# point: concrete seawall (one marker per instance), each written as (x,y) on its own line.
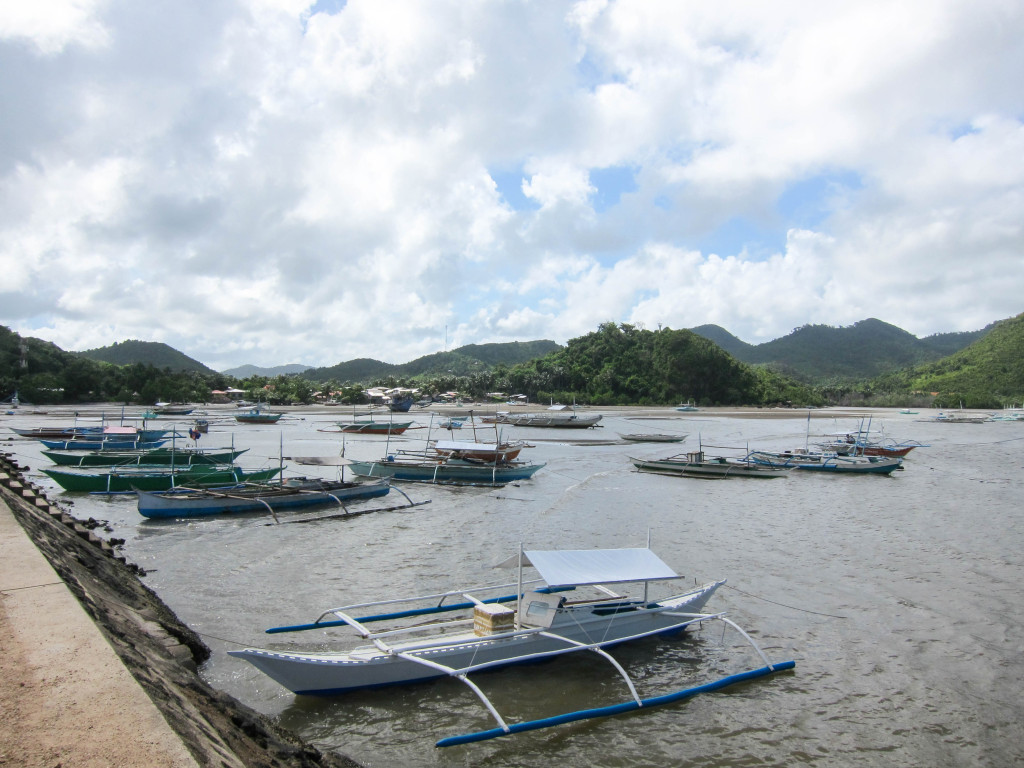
(96,671)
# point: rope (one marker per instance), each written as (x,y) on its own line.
(31,586)
(791,607)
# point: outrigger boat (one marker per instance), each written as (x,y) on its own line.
(697,464)
(179,457)
(829,463)
(542,624)
(256,497)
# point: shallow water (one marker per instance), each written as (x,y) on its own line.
(897,596)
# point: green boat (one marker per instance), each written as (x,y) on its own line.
(131,479)
(178,457)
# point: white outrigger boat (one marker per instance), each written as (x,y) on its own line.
(542,624)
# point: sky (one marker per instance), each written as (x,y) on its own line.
(280,181)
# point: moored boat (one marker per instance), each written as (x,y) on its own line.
(258,415)
(697,464)
(655,437)
(128,479)
(445,470)
(489,628)
(262,497)
(85,443)
(371,427)
(552,419)
(181,457)
(830,463)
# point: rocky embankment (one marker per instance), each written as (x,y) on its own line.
(160,652)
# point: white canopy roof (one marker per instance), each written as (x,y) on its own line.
(568,567)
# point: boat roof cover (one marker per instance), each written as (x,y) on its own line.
(568,567)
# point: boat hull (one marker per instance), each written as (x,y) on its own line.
(839,465)
(101,445)
(542,420)
(180,504)
(156,456)
(328,674)
(118,482)
(711,468)
(376,427)
(453,472)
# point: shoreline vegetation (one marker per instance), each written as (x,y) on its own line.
(868,365)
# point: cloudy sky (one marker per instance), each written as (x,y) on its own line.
(275,181)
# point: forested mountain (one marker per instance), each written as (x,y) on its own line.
(624,365)
(153,353)
(738,348)
(245,371)
(990,371)
(464,361)
(824,353)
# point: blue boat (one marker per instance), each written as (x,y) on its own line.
(252,497)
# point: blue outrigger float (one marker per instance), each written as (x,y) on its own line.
(493,628)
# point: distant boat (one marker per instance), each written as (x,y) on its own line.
(696,464)
(401,403)
(653,438)
(687,407)
(267,497)
(258,415)
(448,471)
(372,427)
(558,416)
(828,463)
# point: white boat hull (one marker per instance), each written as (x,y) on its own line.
(325,674)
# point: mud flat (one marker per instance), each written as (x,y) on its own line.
(67,700)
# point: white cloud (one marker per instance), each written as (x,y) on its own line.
(275,185)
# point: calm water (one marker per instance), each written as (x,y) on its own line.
(898,597)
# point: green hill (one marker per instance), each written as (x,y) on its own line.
(153,353)
(738,348)
(463,361)
(625,365)
(245,371)
(822,353)
(988,373)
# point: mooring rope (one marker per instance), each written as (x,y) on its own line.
(792,607)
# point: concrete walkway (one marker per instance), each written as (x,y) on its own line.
(65,697)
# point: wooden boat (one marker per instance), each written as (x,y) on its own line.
(653,438)
(444,470)
(130,479)
(257,415)
(696,464)
(181,457)
(96,433)
(487,628)
(372,427)
(85,443)
(489,452)
(553,419)
(401,403)
(828,462)
(861,448)
(272,497)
